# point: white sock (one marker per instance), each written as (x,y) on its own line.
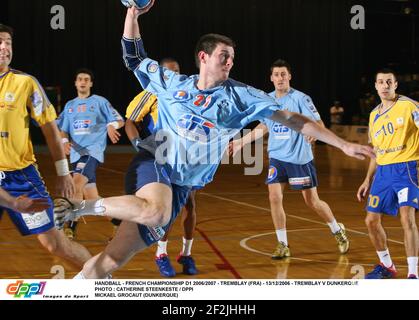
(334,227)
(79,275)
(161,248)
(187,247)
(412,262)
(385,258)
(281,234)
(91,208)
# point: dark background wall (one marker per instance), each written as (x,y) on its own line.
(315,36)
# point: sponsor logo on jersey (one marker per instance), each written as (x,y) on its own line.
(194,128)
(9,97)
(81,126)
(4,134)
(281,132)
(181,95)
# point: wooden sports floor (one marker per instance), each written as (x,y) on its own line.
(234,236)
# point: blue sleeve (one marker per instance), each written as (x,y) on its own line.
(258,105)
(133,52)
(155,78)
(308,108)
(63,121)
(110,112)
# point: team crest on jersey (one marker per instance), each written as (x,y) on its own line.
(194,128)
(70,110)
(272,173)
(9,97)
(153,67)
(181,95)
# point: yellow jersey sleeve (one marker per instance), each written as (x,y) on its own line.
(143,104)
(41,109)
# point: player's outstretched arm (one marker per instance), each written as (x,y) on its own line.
(308,127)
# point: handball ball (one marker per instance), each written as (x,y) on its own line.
(140,4)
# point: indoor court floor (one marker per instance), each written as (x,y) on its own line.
(234,236)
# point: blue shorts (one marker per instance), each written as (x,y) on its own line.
(144,170)
(86,166)
(299,176)
(28,182)
(394,186)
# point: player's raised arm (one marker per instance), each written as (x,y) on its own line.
(132,45)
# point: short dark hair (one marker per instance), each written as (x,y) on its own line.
(386,71)
(209,42)
(86,71)
(279,64)
(168,60)
(4,28)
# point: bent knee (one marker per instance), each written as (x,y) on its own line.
(158,215)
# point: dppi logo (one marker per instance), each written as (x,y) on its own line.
(81,124)
(181,95)
(194,128)
(27,290)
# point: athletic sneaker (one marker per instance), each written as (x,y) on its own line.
(342,239)
(382,272)
(281,251)
(188,264)
(412,276)
(165,267)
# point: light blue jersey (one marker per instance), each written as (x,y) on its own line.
(194,125)
(85,121)
(285,144)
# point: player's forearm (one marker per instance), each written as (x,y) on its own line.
(55,146)
(371,170)
(52,136)
(6,200)
(255,134)
(131,130)
(131,26)
(300,123)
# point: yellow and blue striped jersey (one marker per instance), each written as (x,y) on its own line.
(21,99)
(143,111)
(395,133)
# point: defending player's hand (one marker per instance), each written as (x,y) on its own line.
(65,186)
(363,191)
(358,151)
(25,204)
(113,134)
(234,147)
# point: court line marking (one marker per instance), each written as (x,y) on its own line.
(288,215)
